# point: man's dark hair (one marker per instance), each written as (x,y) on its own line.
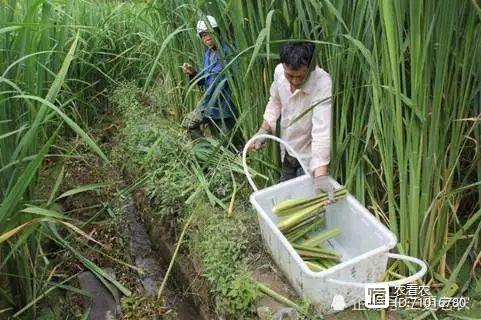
(297,54)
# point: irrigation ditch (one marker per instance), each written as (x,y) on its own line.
(154,261)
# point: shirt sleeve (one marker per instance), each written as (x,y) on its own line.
(273,108)
(321,124)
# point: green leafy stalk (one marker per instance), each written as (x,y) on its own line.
(320,238)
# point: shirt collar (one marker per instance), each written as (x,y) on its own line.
(309,85)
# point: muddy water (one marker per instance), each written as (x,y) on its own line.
(155,264)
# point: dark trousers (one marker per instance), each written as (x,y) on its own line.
(291,168)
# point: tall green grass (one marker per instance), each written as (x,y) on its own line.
(55,60)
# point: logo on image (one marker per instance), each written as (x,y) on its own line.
(376,297)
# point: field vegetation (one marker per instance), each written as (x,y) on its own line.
(406,139)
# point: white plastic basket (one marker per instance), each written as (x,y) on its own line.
(364,243)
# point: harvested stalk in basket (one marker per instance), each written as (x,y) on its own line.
(328,263)
(319,252)
(295,219)
(291,206)
(302,224)
(313,254)
(302,231)
(320,238)
(299,218)
(314,266)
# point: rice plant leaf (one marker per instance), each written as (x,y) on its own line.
(79,231)
(10,29)
(14,195)
(407,101)
(477,7)
(13,163)
(86,314)
(268,33)
(19,61)
(437,257)
(159,55)
(463,188)
(44,212)
(50,98)
(56,186)
(60,78)
(260,39)
(44,294)
(10,233)
(6,297)
(84,188)
(11,133)
(75,127)
(101,274)
(15,245)
(305,112)
(362,48)
(337,14)
(48,217)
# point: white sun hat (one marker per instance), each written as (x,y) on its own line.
(202,26)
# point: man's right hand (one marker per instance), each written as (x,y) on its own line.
(188,69)
(259,142)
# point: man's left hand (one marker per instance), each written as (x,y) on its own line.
(322,184)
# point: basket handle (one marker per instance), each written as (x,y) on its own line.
(267,136)
(418,275)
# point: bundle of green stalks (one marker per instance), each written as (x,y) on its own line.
(300,219)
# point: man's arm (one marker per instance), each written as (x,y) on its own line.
(271,114)
(265,125)
(322,170)
(321,129)
(273,109)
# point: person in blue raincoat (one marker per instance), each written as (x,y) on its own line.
(216,110)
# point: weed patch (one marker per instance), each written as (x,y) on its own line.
(182,178)
(222,245)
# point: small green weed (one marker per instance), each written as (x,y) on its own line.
(222,245)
